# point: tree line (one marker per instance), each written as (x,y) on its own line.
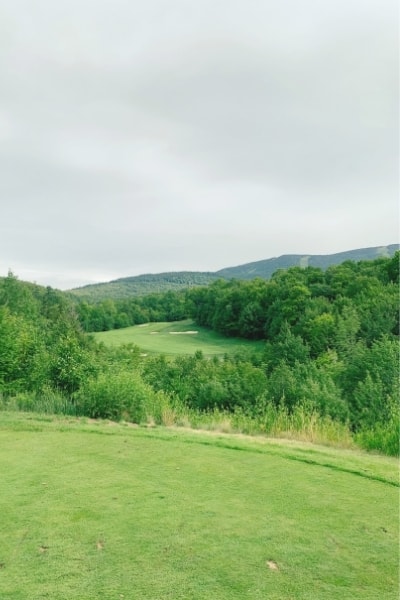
(360,297)
(115,314)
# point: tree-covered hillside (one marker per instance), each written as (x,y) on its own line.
(266,268)
(141,285)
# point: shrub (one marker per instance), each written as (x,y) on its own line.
(71,364)
(120,395)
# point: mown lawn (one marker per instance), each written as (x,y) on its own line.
(95,510)
(179,337)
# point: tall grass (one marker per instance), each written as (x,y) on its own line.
(48,401)
(383,436)
(278,422)
(125,397)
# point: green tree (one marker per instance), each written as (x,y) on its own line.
(70,365)
(286,348)
(393,267)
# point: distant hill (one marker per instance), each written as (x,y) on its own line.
(141,285)
(265,268)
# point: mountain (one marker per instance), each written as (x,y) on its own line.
(141,285)
(265,268)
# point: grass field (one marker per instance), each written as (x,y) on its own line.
(180,337)
(94,510)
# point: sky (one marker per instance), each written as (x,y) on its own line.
(144,137)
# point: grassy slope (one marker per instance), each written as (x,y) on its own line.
(157,338)
(98,511)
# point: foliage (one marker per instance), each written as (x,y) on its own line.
(70,365)
(115,395)
(203,384)
(352,299)
(116,314)
(41,342)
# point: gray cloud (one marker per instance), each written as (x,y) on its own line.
(173,135)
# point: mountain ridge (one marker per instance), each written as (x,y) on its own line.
(322,261)
(148,283)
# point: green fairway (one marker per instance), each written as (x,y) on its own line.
(180,337)
(103,511)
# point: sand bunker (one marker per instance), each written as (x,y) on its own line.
(183,332)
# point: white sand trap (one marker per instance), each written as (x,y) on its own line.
(153,332)
(183,332)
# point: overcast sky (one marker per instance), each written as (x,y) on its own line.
(167,135)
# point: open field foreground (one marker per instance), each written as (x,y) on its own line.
(107,511)
(179,337)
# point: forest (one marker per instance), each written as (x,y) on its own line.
(330,355)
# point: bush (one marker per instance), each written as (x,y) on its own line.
(70,365)
(120,395)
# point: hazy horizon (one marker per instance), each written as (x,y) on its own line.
(127,275)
